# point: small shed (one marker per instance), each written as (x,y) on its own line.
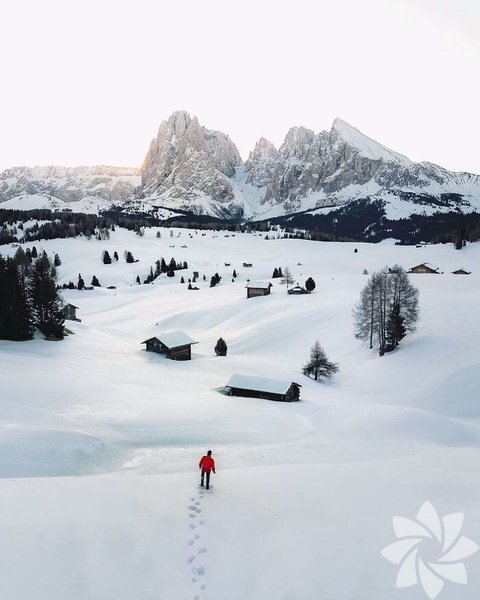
(263,387)
(70,312)
(248,264)
(176,345)
(461,272)
(258,288)
(425,268)
(297,289)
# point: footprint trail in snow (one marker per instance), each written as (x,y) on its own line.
(197,548)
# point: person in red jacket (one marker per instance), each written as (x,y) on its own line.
(207,465)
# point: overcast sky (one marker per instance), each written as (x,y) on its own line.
(89,82)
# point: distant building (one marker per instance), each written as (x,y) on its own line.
(248,264)
(461,272)
(263,387)
(297,289)
(70,312)
(258,288)
(176,345)
(425,268)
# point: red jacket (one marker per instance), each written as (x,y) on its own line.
(207,464)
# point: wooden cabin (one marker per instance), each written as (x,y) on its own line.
(461,272)
(425,268)
(258,288)
(263,387)
(176,345)
(248,264)
(297,289)
(70,312)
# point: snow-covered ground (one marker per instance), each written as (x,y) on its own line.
(100,440)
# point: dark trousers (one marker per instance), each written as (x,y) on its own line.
(205,473)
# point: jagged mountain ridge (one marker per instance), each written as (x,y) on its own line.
(192,168)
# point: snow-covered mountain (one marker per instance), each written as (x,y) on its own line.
(78,188)
(190,167)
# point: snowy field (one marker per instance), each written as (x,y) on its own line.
(100,440)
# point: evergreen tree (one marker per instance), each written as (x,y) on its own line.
(46,302)
(310,285)
(106,258)
(234,274)
(22,261)
(213,281)
(163,266)
(182,280)
(56,261)
(280,274)
(170,273)
(172,265)
(204,278)
(34,252)
(318,364)
(189,286)
(15,309)
(275,273)
(138,279)
(95,282)
(80,283)
(185,264)
(221,347)
(159,235)
(115,254)
(129,257)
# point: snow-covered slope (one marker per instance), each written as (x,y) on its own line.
(100,440)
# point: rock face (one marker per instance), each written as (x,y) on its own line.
(261,163)
(110,185)
(189,167)
(189,163)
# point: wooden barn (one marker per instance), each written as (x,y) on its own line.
(70,312)
(461,272)
(248,264)
(297,289)
(258,288)
(263,387)
(176,345)
(425,268)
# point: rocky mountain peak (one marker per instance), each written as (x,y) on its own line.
(261,162)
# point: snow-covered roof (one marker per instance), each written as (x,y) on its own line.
(258,284)
(72,305)
(427,265)
(174,339)
(260,384)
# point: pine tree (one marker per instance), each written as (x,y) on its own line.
(106,258)
(221,347)
(56,261)
(213,281)
(34,252)
(115,254)
(163,266)
(129,257)
(234,274)
(80,283)
(170,273)
(182,280)
(159,235)
(189,286)
(138,279)
(275,273)
(95,282)
(172,265)
(318,364)
(46,302)
(15,310)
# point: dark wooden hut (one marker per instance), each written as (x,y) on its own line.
(297,289)
(263,387)
(176,345)
(258,288)
(70,312)
(461,272)
(425,268)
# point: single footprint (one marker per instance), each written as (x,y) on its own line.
(197,537)
(196,598)
(202,522)
(192,507)
(192,516)
(194,579)
(192,499)
(203,586)
(199,510)
(202,550)
(191,542)
(191,559)
(197,503)
(200,570)
(192,526)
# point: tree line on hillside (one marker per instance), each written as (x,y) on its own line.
(29,298)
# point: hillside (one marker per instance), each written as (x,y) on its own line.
(100,440)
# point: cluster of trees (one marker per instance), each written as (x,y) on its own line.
(161,266)
(215,279)
(387,309)
(29,298)
(277,272)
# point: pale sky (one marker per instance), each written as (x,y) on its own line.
(89,82)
